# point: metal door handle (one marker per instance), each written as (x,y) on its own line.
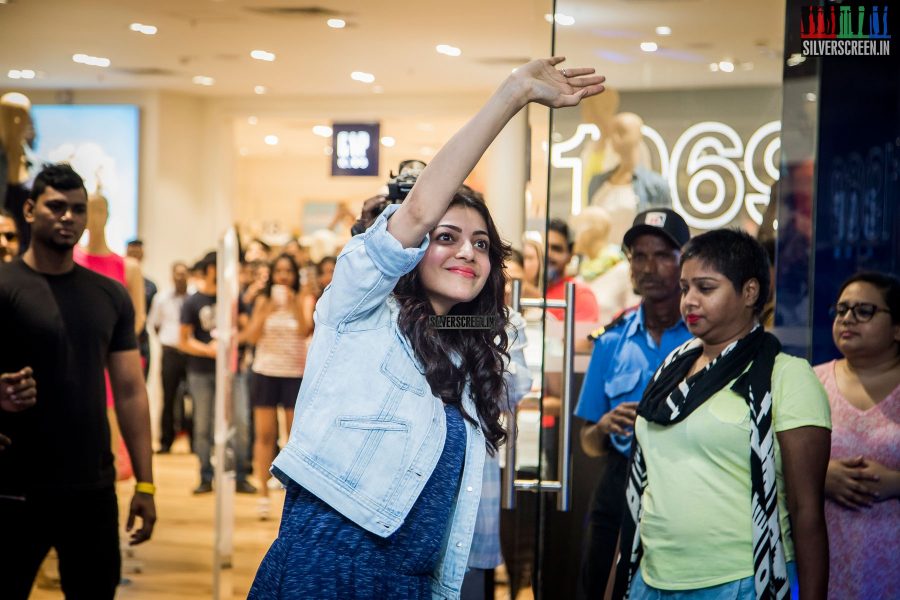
(563,486)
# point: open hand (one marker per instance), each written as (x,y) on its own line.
(18,390)
(848,484)
(545,84)
(142,506)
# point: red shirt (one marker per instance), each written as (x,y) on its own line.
(586,308)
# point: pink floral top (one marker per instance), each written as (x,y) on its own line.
(864,544)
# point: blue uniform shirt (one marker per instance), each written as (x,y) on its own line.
(624,359)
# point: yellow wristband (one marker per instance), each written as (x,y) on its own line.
(143,487)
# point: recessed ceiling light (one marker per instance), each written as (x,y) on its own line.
(388,141)
(560,18)
(271,140)
(259,89)
(336,23)
(448,50)
(93,61)
(663,30)
(362,76)
(726,66)
(20,74)
(262,55)
(252,120)
(322,130)
(810,97)
(649,46)
(203,80)
(141,28)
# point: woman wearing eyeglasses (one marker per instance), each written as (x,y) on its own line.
(863,480)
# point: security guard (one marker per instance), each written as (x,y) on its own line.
(626,353)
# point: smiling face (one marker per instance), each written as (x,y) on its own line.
(876,337)
(712,309)
(57,218)
(456,264)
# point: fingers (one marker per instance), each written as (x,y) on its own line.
(555,60)
(144,508)
(852,462)
(131,515)
(580,82)
(24,373)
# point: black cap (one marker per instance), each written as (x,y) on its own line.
(663,222)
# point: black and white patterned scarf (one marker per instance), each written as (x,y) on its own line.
(670,398)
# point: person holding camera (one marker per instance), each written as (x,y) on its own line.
(384,466)
(278,328)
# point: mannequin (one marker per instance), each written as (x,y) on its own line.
(98,257)
(628,188)
(16,130)
(603,265)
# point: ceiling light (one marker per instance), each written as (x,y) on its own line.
(271,140)
(795,59)
(713,67)
(663,30)
(362,76)
(726,66)
(649,46)
(560,19)
(336,23)
(322,130)
(93,61)
(141,28)
(388,141)
(203,80)
(252,120)
(262,55)
(810,97)
(448,50)
(259,89)
(20,74)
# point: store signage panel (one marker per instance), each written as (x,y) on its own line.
(355,149)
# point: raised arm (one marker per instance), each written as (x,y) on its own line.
(538,81)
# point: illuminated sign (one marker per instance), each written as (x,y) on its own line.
(710,151)
(355,149)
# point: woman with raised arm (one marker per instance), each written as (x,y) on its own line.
(724,497)
(384,465)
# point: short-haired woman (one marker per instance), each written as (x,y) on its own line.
(724,493)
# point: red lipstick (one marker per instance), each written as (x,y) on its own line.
(692,319)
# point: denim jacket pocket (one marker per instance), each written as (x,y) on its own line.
(400,369)
(372,424)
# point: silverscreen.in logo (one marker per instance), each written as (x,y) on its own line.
(461,321)
(845,30)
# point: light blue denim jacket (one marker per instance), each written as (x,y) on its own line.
(367,430)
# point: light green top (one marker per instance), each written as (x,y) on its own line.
(696,528)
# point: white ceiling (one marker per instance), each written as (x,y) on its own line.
(393,39)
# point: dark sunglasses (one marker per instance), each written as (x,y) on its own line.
(862,312)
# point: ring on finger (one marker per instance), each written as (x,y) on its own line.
(564,73)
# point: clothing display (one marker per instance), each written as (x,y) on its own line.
(863,544)
(707,426)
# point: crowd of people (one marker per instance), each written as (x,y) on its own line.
(730,469)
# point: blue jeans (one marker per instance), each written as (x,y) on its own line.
(203,393)
(742,589)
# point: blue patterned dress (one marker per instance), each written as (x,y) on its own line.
(320,554)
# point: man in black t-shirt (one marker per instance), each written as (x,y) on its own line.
(57,476)
(198,341)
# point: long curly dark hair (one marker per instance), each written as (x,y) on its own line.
(483,351)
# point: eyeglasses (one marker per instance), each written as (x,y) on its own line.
(862,311)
